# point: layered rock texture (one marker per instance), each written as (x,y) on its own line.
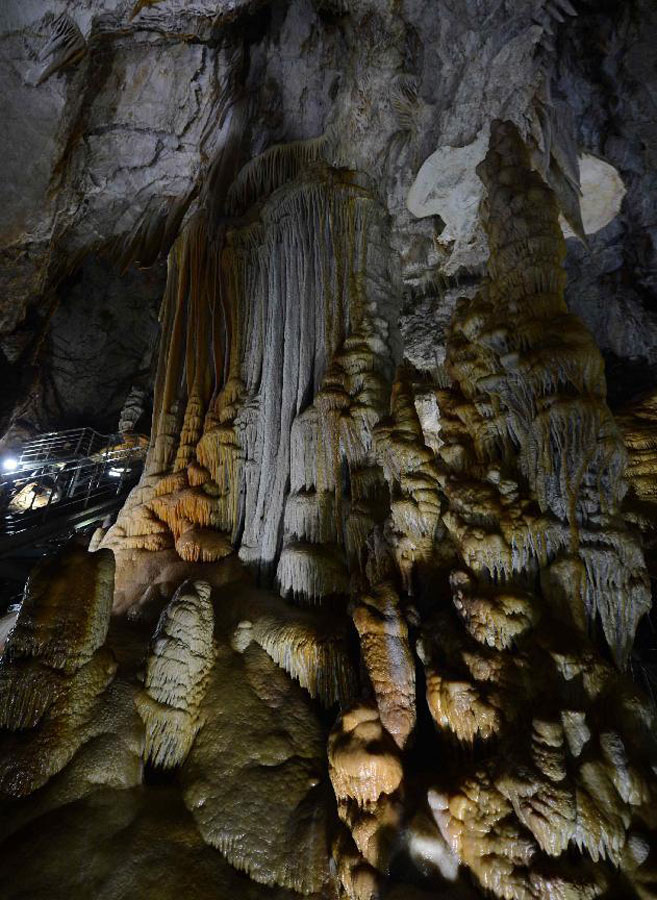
(376,621)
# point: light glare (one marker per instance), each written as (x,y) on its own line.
(9,464)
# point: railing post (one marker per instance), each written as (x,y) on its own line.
(73,483)
(52,494)
(29,509)
(89,483)
(124,470)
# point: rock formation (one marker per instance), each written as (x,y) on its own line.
(177,673)
(375,622)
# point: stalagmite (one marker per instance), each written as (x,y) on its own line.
(546,379)
(253,778)
(366,626)
(366,775)
(62,623)
(73,717)
(177,673)
(534,466)
(54,668)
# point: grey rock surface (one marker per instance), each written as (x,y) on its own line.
(608,78)
(103,339)
(109,151)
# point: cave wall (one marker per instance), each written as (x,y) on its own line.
(608,82)
(123,143)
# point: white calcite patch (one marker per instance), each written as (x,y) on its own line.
(447,185)
(602,194)
(426,406)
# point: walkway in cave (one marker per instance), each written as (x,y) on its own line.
(62,483)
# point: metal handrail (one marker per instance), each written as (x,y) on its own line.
(78,467)
(71,444)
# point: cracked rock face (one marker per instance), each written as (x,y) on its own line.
(375,622)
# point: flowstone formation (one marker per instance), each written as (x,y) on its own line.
(57,695)
(534,461)
(375,622)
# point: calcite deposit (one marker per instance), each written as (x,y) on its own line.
(376,620)
(177,673)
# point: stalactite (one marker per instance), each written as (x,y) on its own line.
(350,402)
(313,650)
(310,572)
(203,545)
(366,775)
(414,478)
(231,300)
(388,659)
(191,367)
(364,762)
(64,47)
(546,381)
(336,431)
(637,424)
(277,166)
(285,375)
(310,514)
